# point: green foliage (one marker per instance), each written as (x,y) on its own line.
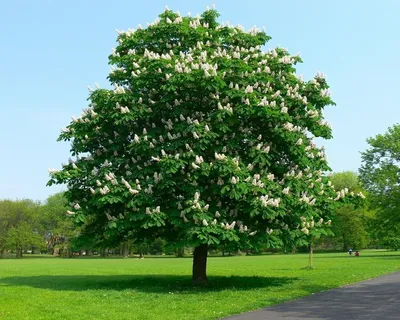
(346,179)
(350,223)
(350,226)
(206,139)
(15,217)
(159,288)
(54,224)
(391,242)
(379,173)
(23,237)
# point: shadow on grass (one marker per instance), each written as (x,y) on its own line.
(163,284)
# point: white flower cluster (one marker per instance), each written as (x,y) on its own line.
(257,181)
(119,89)
(266,201)
(53,171)
(235,180)
(306,226)
(228,226)
(152,211)
(111,177)
(123,109)
(104,190)
(306,199)
(220,157)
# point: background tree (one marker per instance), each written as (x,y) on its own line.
(55,226)
(380,175)
(391,242)
(205,139)
(350,223)
(22,237)
(13,214)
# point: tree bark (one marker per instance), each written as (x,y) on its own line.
(310,258)
(126,250)
(199,271)
(19,253)
(180,252)
(2,253)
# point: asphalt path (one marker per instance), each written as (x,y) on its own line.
(378,298)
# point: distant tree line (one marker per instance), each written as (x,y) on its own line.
(28,226)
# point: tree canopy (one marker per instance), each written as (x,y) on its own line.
(380,175)
(350,223)
(18,225)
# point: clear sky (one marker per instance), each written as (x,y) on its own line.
(52,49)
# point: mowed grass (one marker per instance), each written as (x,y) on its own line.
(160,288)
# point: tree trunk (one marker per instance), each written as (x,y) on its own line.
(180,252)
(345,245)
(103,252)
(126,250)
(310,258)
(1,253)
(199,271)
(19,253)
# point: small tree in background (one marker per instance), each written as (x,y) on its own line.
(206,139)
(19,225)
(379,174)
(23,237)
(54,225)
(350,222)
(310,232)
(391,242)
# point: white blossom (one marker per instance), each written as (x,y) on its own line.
(195,166)
(360,194)
(305,230)
(220,157)
(325,93)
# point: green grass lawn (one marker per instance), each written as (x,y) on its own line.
(160,288)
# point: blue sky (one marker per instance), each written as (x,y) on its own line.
(51,50)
